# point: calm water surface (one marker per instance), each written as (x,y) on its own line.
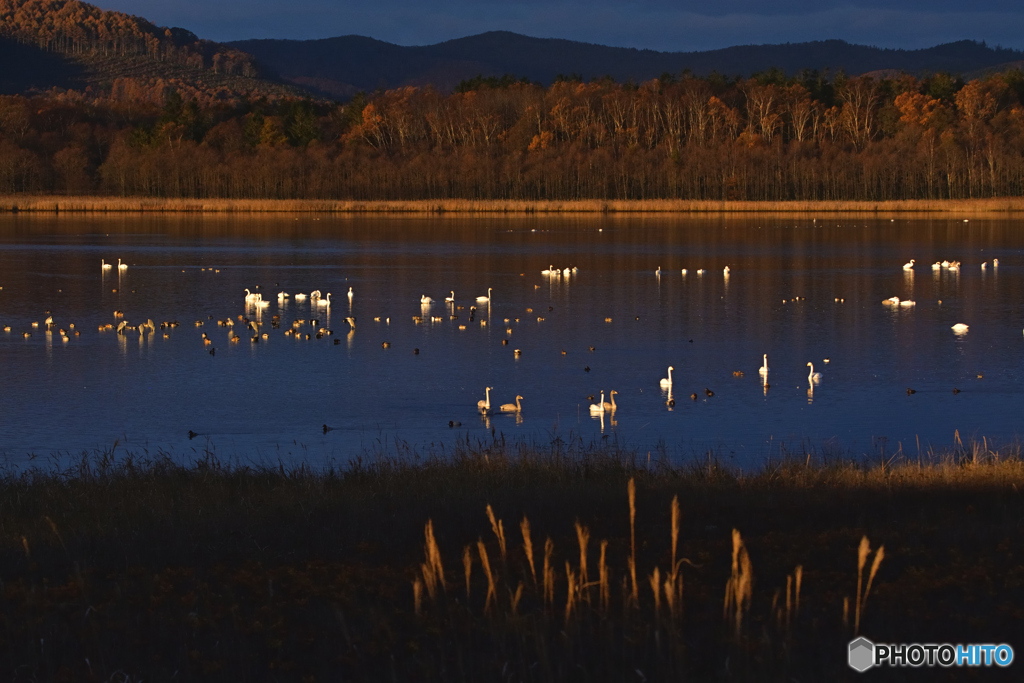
(268,401)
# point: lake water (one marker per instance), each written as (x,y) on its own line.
(800,289)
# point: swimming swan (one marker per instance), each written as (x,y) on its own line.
(104,265)
(610,407)
(959,328)
(485,405)
(513,407)
(764,368)
(667,381)
(485,298)
(121,266)
(350,295)
(450,299)
(909,265)
(325,302)
(597,408)
(812,376)
(300,297)
(426,299)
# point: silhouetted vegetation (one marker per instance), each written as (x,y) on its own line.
(502,561)
(479,82)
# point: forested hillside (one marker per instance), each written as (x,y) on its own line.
(764,138)
(72,44)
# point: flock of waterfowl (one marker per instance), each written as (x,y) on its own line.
(937,267)
(255,303)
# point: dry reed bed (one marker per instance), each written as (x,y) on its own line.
(502,561)
(58,204)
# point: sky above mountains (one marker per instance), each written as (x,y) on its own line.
(669,25)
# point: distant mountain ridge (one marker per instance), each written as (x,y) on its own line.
(73,45)
(344,65)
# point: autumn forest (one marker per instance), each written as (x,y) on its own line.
(770,137)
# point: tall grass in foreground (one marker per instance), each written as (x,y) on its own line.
(84,204)
(497,560)
(569,603)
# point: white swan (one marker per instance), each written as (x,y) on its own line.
(485,298)
(121,266)
(610,407)
(995,263)
(315,294)
(104,265)
(657,271)
(700,271)
(426,299)
(300,297)
(764,368)
(725,271)
(597,408)
(944,264)
(513,407)
(565,273)
(812,376)
(684,272)
(959,328)
(550,271)
(350,295)
(281,296)
(666,382)
(936,266)
(450,299)
(251,297)
(909,265)
(326,303)
(485,405)
(984,265)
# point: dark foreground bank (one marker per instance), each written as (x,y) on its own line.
(129,569)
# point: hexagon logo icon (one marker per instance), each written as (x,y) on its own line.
(861,654)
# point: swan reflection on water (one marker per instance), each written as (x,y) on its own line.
(599,418)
